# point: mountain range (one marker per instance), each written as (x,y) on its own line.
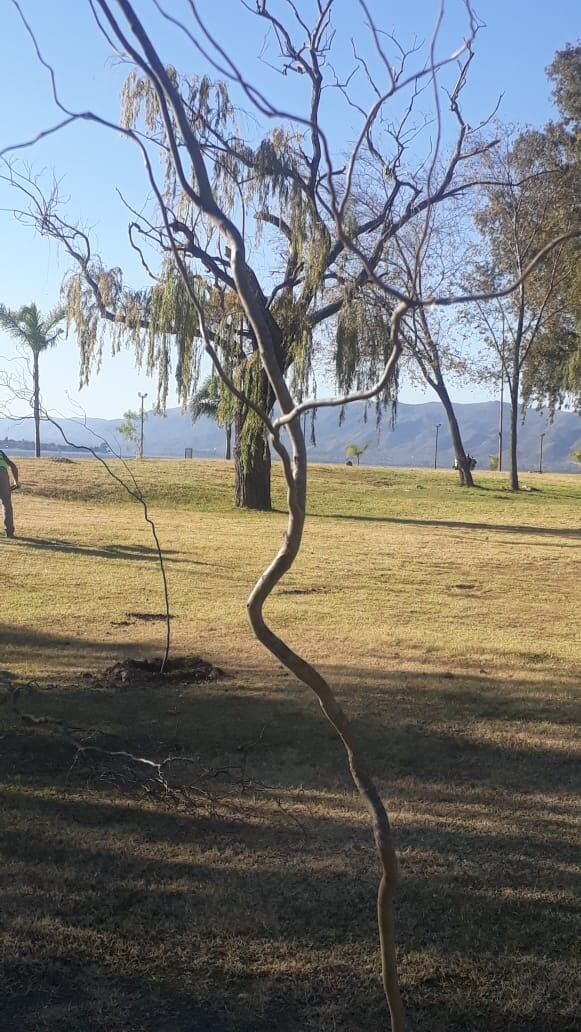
(411,442)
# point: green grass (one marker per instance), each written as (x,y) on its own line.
(448,622)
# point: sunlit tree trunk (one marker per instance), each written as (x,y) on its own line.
(464,471)
(36,403)
(514,386)
(514,483)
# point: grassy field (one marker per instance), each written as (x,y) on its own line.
(449,623)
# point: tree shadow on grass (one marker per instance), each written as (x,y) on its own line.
(267,931)
(43,649)
(141,553)
(508,528)
(471,730)
(126,914)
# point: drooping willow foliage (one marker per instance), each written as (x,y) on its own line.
(362,347)
(263,186)
(96,301)
(173,319)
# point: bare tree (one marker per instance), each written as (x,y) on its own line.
(432,339)
(330,256)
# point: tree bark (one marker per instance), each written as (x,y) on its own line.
(464,471)
(514,484)
(514,387)
(36,403)
(295,471)
(252,473)
(228,433)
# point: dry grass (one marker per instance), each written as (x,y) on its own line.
(449,623)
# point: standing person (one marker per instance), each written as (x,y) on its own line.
(6,491)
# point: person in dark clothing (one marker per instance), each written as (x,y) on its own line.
(7,467)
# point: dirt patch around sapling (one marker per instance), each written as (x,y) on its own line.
(147,673)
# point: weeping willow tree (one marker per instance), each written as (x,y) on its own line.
(323,263)
(316,296)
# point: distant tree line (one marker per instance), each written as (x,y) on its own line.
(11,444)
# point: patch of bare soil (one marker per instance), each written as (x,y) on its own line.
(149,617)
(147,673)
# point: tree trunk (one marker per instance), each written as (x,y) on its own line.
(462,461)
(294,465)
(36,402)
(514,385)
(514,484)
(252,470)
(228,432)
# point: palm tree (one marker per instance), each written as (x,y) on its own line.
(206,402)
(28,327)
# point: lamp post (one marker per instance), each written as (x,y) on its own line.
(143,397)
(541,455)
(437,428)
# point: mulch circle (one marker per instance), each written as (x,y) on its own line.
(146,673)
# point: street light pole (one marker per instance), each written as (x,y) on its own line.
(438,425)
(541,455)
(143,397)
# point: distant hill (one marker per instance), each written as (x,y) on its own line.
(20,445)
(410,443)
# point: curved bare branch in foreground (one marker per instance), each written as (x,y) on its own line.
(294,464)
(296,479)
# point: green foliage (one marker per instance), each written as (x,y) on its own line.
(208,106)
(252,440)
(362,348)
(267,177)
(211,400)
(552,376)
(536,197)
(355,451)
(206,400)
(129,428)
(173,318)
(576,455)
(96,299)
(565,75)
(493,462)
(27,326)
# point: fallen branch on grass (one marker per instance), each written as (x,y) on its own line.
(126,769)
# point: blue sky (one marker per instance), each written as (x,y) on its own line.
(512,53)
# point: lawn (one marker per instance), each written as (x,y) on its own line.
(449,623)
